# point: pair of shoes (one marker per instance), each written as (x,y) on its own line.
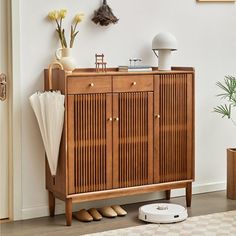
(87,216)
(93,214)
(112,211)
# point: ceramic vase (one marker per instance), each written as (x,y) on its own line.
(64,56)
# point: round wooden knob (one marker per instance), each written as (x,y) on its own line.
(92,84)
(110,119)
(117,119)
(134,83)
(157,116)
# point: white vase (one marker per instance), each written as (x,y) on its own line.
(63,55)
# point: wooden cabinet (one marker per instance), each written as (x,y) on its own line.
(90,146)
(132,139)
(124,134)
(173,127)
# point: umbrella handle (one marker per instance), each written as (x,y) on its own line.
(52,66)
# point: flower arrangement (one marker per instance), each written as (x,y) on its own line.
(58,16)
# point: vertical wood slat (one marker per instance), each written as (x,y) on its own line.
(133,149)
(174,143)
(157,133)
(190,125)
(149,105)
(71,149)
(108,138)
(115,142)
(90,151)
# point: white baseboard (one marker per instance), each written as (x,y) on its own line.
(41,211)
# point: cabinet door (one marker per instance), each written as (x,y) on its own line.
(132,139)
(173,127)
(89,142)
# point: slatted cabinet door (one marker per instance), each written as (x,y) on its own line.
(132,139)
(173,127)
(90,142)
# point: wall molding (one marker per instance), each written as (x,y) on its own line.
(15,161)
(41,211)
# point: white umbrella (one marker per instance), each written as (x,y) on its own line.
(49,110)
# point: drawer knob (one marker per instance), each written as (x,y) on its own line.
(110,119)
(157,116)
(116,119)
(91,85)
(134,83)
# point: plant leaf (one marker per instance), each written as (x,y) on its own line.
(223,110)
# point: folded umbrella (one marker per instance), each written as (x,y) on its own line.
(49,110)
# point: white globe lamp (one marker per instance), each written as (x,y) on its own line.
(162,45)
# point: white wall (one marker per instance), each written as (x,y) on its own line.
(207,40)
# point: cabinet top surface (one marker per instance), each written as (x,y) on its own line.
(114,71)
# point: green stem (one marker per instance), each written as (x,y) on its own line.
(233,121)
(60,33)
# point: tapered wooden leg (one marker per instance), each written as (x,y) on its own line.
(51,201)
(168,194)
(189,194)
(68,211)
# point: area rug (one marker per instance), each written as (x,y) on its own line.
(220,224)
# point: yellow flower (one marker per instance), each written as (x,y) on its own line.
(78,18)
(53,15)
(62,13)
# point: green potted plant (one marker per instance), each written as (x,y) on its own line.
(228,88)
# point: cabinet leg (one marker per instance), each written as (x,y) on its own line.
(168,194)
(189,194)
(68,211)
(51,201)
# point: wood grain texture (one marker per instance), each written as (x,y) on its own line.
(231,173)
(68,211)
(91,84)
(189,194)
(89,146)
(51,201)
(132,83)
(174,133)
(123,192)
(124,134)
(133,139)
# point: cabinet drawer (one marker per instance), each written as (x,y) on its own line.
(133,83)
(96,84)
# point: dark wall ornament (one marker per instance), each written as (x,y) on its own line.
(104,15)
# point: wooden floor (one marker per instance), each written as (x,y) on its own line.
(202,204)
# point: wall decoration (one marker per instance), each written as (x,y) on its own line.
(104,15)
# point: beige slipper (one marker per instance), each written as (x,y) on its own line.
(83,215)
(107,212)
(95,214)
(119,210)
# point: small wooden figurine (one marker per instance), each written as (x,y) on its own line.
(100,62)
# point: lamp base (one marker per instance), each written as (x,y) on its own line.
(164,59)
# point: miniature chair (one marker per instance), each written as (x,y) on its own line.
(100,61)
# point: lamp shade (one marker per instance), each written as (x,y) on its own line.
(164,40)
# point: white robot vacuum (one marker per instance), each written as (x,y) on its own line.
(162,213)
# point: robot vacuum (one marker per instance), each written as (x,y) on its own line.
(162,213)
